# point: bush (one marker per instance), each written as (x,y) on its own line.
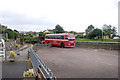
(8,40)
(12,54)
(30,39)
(17,45)
(28,73)
(27,41)
(5,39)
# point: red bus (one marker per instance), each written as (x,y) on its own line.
(63,40)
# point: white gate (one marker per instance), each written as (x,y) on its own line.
(2,49)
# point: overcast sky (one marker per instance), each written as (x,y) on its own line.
(76,15)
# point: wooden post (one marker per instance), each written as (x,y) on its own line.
(41,74)
(23,38)
(28,55)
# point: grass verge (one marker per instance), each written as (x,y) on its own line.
(99,40)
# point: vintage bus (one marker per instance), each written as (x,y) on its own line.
(62,40)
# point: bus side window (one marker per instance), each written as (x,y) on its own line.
(51,37)
(62,37)
(58,37)
(48,37)
(66,37)
(55,37)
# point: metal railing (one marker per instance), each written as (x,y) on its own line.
(2,49)
(37,62)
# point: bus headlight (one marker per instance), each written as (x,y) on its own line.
(68,44)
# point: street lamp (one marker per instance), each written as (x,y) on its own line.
(102,34)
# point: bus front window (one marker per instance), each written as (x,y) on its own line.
(71,38)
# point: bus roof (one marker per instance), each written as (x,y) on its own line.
(63,34)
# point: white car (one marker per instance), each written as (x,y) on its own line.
(116,38)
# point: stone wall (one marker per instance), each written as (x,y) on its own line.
(99,45)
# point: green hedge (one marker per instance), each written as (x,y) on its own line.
(29,39)
(99,40)
(15,44)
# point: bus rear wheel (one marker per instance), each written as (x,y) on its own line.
(49,44)
(62,45)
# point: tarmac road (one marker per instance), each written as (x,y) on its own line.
(14,70)
(80,62)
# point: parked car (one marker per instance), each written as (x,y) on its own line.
(116,38)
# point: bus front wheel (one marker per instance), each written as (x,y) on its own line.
(62,45)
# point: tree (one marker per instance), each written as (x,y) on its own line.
(2,28)
(16,31)
(16,35)
(74,32)
(95,34)
(41,35)
(89,29)
(79,35)
(11,34)
(48,32)
(114,32)
(90,35)
(109,30)
(58,29)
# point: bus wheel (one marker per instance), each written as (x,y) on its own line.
(62,45)
(50,44)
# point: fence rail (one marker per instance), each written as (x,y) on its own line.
(2,49)
(39,65)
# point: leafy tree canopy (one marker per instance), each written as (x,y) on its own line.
(41,34)
(11,34)
(109,30)
(95,34)
(58,29)
(89,29)
(2,28)
(73,32)
(16,31)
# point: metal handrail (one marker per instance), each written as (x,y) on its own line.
(36,61)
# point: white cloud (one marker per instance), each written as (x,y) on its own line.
(70,14)
(23,22)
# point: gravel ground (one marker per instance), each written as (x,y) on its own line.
(23,53)
(80,62)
